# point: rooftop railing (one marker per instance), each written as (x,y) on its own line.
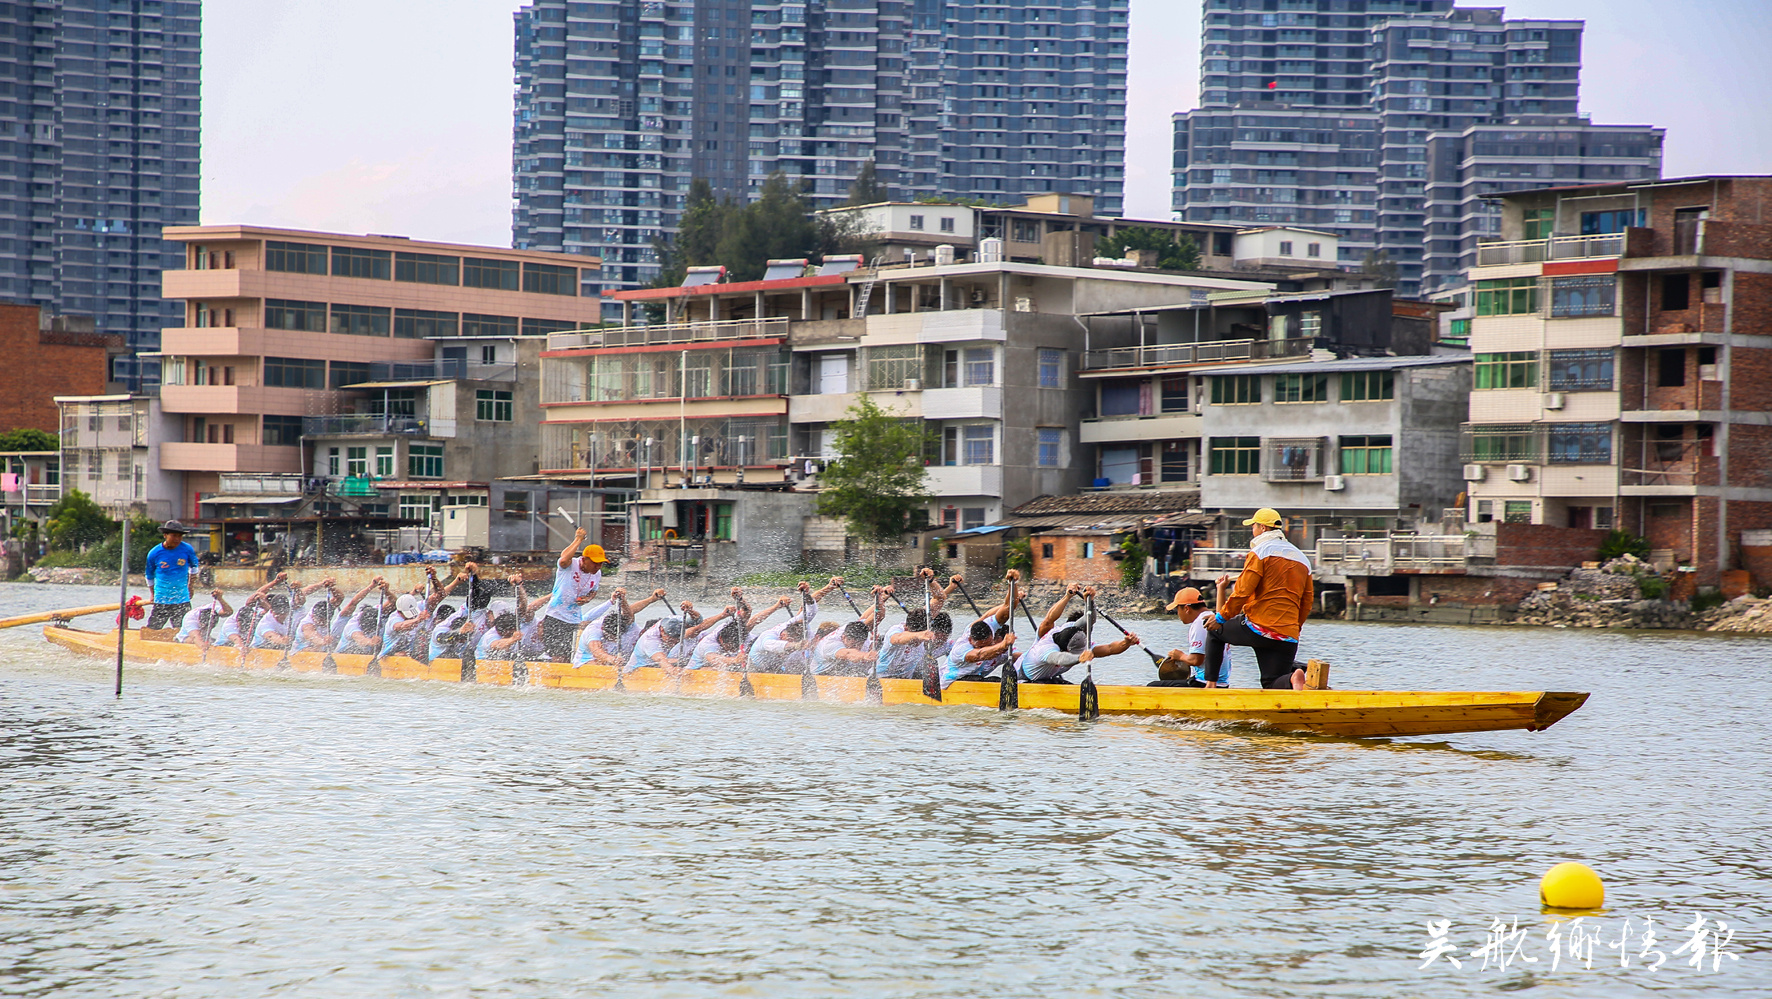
(670,333)
(1206,352)
(354,423)
(1531,251)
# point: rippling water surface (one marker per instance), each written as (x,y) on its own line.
(214,834)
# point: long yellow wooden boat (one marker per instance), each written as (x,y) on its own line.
(1351,713)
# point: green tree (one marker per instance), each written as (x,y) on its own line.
(75,521)
(1378,264)
(877,478)
(29,439)
(1019,554)
(867,189)
(1620,543)
(1175,251)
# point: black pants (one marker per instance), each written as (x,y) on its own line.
(556,637)
(1276,658)
(168,615)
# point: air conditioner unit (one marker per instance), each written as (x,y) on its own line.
(1475,473)
(913,384)
(1519,473)
(1334,483)
(1554,400)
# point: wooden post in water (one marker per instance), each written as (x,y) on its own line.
(122,603)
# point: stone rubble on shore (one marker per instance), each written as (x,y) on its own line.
(1746,613)
(1615,595)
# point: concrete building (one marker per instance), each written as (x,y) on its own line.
(30,483)
(112,448)
(277,322)
(1318,115)
(99,149)
(1622,375)
(51,356)
(617,110)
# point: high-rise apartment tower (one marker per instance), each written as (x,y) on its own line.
(620,106)
(99,149)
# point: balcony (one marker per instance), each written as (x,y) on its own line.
(977,402)
(669,334)
(33,494)
(1178,355)
(1532,251)
(1292,459)
(1115,429)
(1384,556)
(965,480)
(187,456)
(360,425)
(827,408)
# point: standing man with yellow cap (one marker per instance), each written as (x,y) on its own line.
(576,579)
(1266,609)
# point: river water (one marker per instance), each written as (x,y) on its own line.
(217,834)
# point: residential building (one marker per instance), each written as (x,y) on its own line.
(1150,372)
(1321,116)
(111,450)
(618,109)
(737,391)
(99,149)
(51,355)
(1622,368)
(277,323)
(30,483)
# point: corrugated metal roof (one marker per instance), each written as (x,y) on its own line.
(1146,501)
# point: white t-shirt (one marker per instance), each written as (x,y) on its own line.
(571,584)
(1196,646)
(651,643)
(267,626)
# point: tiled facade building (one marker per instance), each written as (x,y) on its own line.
(620,106)
(99,148)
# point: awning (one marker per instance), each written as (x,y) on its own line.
(426,383)
(986,529)
(273,500)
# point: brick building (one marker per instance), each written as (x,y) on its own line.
(1623,346)
(51,355)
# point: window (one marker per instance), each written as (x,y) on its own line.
(1045,551)
(1512,370)
(394,402)
(492,405)
(1369,455)
(1502,443)
(295,258)
(360,320)
(1507,297)
(542,327)
(1537,223)
(1174,461)
(499,275)
(353,262)
(1236,456)
(424,461)
(891,367)
(1676,292)
(417,507)
(488,353)
(1285,248)
(972,516)
(1460,330)
(473,324)
(294,372)
(977,445)
(981,366)
(357,462)
(550,279)
(1236,390)
(1051,368)
(1301,388)
(1585,295)
(282,431)
(413,324)
(1670,365)
(348,373)
(947,223)
(1603,223)
(332,462)
(1173,394)
(1024,231)
(286,315)
(427,268)
(1367,386)
(1048,446)
(1313,249)
(917,223)
(1580,371)
(1517,511)
(384,461)
(1086,550)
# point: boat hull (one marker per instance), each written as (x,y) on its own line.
(1348,713)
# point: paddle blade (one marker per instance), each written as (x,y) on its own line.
(874,694)
(327,665)
(1009,697)
(470,670)
(1088,701)
(932,682)
(808,687)
(519,674)
(744,686)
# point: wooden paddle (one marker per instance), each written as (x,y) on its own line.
(931,669)
(1156,659)
(1009,694)
(291,628)
(57,615)
(1088,698)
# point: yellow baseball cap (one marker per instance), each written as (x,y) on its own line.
(595,553)
(1265,517)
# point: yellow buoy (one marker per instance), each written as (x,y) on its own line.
(1572,886)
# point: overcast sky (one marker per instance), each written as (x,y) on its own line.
(394,116)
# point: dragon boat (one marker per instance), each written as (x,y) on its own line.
(1345,713)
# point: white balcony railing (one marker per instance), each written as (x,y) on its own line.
(1531,251)
(669,333)
(1209,352)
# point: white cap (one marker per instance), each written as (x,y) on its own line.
(408,605)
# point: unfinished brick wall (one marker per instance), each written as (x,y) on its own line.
(39,368)
(1543,545)
(1067,564)
(1469,591)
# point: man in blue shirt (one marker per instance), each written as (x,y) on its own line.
(170,566)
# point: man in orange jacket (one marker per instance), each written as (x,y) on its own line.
(1265,610)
